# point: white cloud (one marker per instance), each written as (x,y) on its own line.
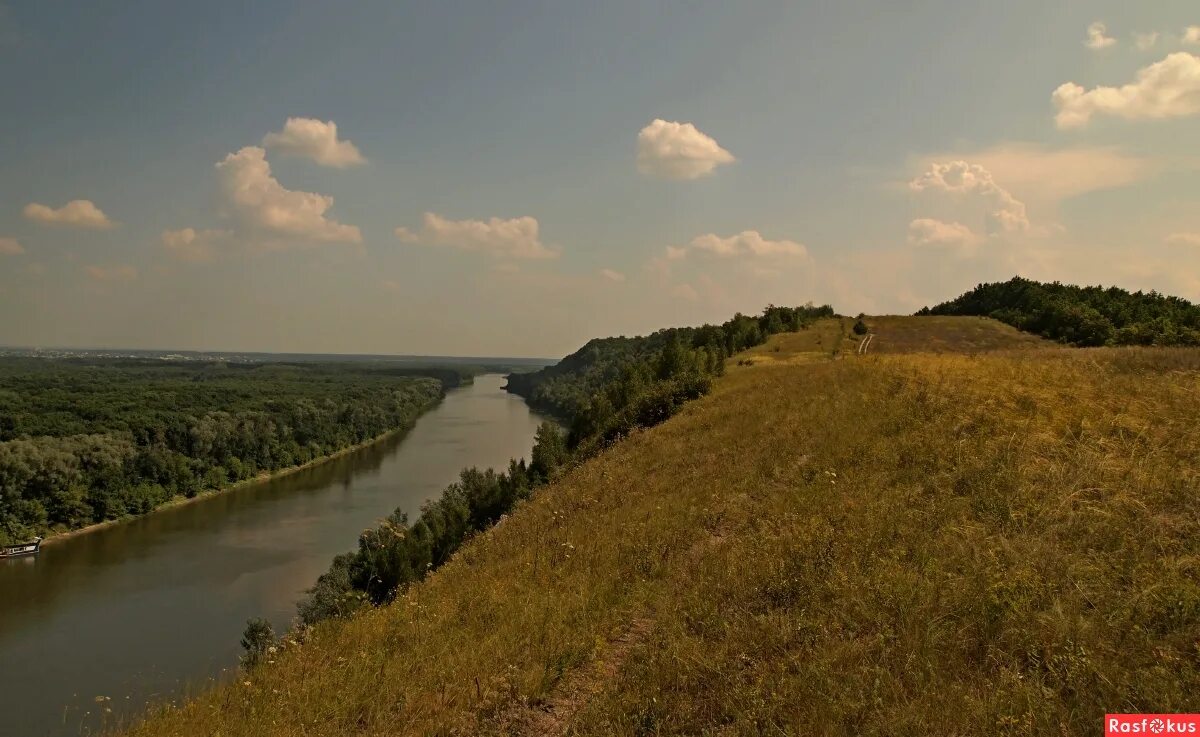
(1096,38)
(262,204)
(76,214)
(1191,35)
(316,140)
(10,247)
(1145,41)
(1184,239)
(612,275)
(192,245)
(407,236)
(959,177)
(678,151)
(746,243)
(1051,175)
(513,238)
(1166,89)
(121,273)
(940,234)
(763,272)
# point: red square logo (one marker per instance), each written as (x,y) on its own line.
(1151,724)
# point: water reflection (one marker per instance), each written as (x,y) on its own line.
(141,609)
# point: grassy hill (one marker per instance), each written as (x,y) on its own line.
(973,542)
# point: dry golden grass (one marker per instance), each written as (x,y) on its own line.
(1004,543)
(941,334)
(818,342)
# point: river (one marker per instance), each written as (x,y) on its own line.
(149,609)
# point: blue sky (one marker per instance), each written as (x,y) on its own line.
(876,157)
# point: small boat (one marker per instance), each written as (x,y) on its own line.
(21,549)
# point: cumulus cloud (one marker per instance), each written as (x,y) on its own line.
(746,243)
(1050,175)
(262,204)
(316,140)
(1184,239)
(1166,89)
(1191,35)
(959,177)
(10,247)
(120,273)
(1097,38)
(512,238)
(612,275)
(673,150)
(407,236)
(75,214)
(1145,41)
(939,234)
(194,246)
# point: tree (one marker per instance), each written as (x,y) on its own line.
(258,640)
(1082,316)
(549,451)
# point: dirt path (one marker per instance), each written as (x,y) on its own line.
(865,344)
(554,715)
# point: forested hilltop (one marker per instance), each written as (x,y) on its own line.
(597,375)
(1083,316)
(603,392)
(85,441)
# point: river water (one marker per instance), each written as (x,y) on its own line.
(150,609)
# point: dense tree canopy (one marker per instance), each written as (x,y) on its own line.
(603,391)
(617,368)
(1083,316)
(83,441)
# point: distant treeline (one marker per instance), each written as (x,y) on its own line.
(606,370)
(84,441)
(603,391)
(1082,316)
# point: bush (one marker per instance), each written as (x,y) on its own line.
(258,640)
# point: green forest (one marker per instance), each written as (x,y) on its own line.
(603,391)
(88,440)
(593,385)
(1081,316)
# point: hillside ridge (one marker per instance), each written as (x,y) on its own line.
(982,542)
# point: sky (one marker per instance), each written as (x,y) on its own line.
(480,178)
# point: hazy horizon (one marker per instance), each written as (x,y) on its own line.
(512,181)
(154,349)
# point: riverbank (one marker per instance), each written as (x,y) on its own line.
(890,543)
(150,611)
(179,501)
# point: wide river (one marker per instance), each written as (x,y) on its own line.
(149,609)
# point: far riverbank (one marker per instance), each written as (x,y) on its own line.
(179,501)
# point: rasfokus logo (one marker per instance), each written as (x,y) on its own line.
(1165,724)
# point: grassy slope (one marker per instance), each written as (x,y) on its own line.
(889,544)
(935,334)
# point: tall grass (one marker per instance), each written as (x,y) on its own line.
(1003,543)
